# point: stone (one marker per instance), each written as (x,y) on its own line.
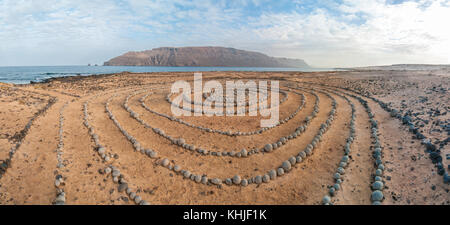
(165,162)
(216,181)
(272,174)
(244,182)
(286,165)
(198,178)
(377,185)
(326,199)
(293,161)
(337,187)
(258,179)
(280,171)
(244,153)
(332,191)
(266,178)
(122,187)
(377,195)
(137,199)
(341,170)
(204,180)
(268,147)
(337,176)
(236,179)
(378,172)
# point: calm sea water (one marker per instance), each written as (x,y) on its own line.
(25,74)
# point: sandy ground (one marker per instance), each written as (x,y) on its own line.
(409,177)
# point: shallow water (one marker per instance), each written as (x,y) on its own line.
(25,74)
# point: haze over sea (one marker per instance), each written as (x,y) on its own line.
(25,74)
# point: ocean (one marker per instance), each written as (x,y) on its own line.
(25,74)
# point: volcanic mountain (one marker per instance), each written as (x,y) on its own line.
(202,56)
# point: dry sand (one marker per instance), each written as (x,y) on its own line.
(409,177)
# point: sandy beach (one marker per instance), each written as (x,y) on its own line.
(65,140)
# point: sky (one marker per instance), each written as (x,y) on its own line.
(325,33)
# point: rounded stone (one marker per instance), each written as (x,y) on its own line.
(177,168)
(344,158)
(244,182)
(137,199)
(204,180)
(236,179)
(377,195)
(378,172)
(341,170)
(268,147)
(122,187)
(266,178)
(272,174)
(377,185)
(286,165)
(228,181)
(337,176)
(337,187)
(244,153)
(216,181)
(165,162)
(332,191)
(280,171)
(292,160)
(258,179)
(326,199)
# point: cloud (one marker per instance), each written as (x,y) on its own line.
(324,33)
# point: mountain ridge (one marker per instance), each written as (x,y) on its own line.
(208,56)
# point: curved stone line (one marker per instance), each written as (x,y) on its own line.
(226,101)
(347,149)
(434,153)
(116,175)
(249,109)
(6,163)
(286,166)
(245,110)
(228,133)
(60,194)
(377,186)
(242,153)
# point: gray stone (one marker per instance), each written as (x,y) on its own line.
(326,199)
(272,174)
(377,185)
(236,179)
(377,195)
(280,171)
(258,179)
(286,165)
(122,187)
(266,178)
(165,162)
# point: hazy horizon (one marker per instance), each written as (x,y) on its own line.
(325,33)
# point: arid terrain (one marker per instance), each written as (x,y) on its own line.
(350,137)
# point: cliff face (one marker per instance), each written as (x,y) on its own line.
(202,56)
